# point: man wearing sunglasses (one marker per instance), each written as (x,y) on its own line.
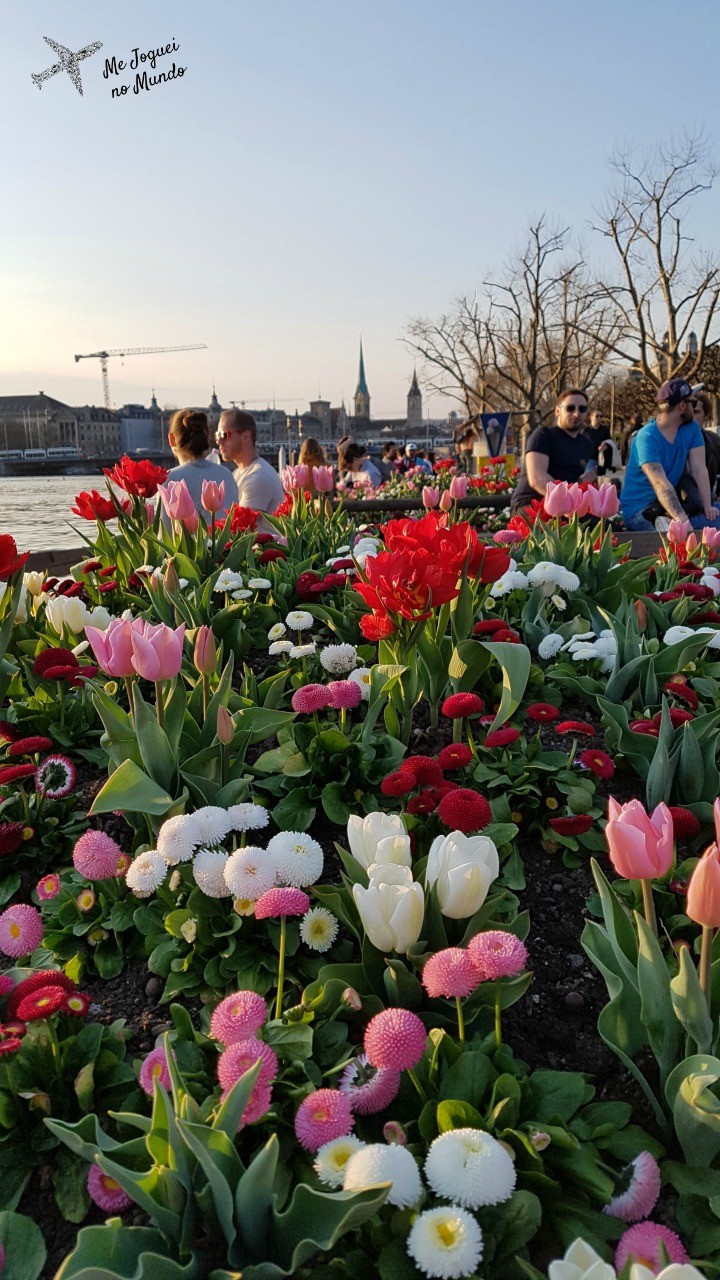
(655,487)
(559,452)
(258,483)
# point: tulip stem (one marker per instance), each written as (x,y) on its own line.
(129,691)
(281,970)
(649,906)
(704,970)
(498,1013)
(460,1019)
(417,1084)
(205,693)
(159,703)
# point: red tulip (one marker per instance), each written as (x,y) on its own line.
(10,561)
(93,506)
(138,477)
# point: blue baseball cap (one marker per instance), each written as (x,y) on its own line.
(672,392)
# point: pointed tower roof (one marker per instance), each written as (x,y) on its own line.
(154,404)
(414,388)
(362,384)
(215,405)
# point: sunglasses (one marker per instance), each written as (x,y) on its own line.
(223,435)
(576,408)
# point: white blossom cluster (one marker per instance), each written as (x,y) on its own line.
(586,647)
(674,634)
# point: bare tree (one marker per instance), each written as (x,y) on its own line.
(542,326)
(666,297)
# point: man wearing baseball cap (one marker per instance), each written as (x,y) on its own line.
(661,451)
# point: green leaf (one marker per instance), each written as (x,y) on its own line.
(70,1187)
(453,1113)
(695,1108)
(20,1238)
(656,1005)
(689,1003)
(157,756)
(130,790)
(316,1220)
(254,1200)
(116,1252)
(515,661)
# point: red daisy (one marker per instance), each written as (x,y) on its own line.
(424,769)
(11,834)
(464,810)
(425,802)
(684,822)
(575,726)
(487,626)
(14,772)
(599,762)
(502,737)
(575,825)
(7,732)
(459,705)
(398,783)
(41,1003)
(543,712)
(681,689)
(455,756)
(41,978)
(29,746)
(648,727)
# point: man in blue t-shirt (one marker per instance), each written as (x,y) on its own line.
(659,455)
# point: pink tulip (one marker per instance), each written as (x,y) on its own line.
(640,844)
(430,497)
(295,478)
(580,499)
(323,479)
(703,896)
(711,538)
(692,542)
(558,500)
(150,512)
(602,502)
(446,501)
(458,488)
(157,650)
(205,653)
(507,537)
(113,647)
(176,499)
(679,530)
(191,522)
(213,495)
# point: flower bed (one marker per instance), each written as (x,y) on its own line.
(309,906)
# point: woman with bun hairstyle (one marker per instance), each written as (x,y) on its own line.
(189,439)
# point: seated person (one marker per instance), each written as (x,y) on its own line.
(560,452)
(386,466)
(311,455)
(659,454)
(189,439)
(703,416)
(354,459)
(422,462)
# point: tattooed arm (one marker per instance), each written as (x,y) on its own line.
(664,491)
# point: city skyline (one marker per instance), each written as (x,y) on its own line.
(314,172)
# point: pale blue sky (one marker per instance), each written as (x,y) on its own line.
(322,166)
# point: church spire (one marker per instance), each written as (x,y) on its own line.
(362,395)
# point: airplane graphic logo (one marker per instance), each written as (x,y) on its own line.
(68,62)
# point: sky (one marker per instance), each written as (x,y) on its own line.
(321,167)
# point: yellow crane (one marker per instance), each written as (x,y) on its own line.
(103,357)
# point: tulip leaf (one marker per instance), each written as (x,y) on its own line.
(130,790)
(157,756)
(23,1245)
(515,662)
(696,1109)
(656,1005)
(689,1003)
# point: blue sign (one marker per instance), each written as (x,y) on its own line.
(494,427)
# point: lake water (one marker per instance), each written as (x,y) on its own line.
(36,510)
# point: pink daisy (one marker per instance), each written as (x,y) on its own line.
(241,1056)
(6,984)
(322,1116)
(55,778)
(257,1107)
(395,1039)
(641,1244)
(21,930)
(48,887)
(154,1068)
(450,973)
(238,1017)
(281,902)
(638,1190)
(343,695)
(96,855)
(497,954)
(105,1191)
(311,697)
(369,1088)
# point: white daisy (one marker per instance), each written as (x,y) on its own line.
(248,816)
(146,873)
(383,1162)
(338,659)
(210,824)
(318,929)
(280,646)
(583,635)
(302,650)
(228,581)
(566,580)
(584,652)
(714,636)
(510,581)
(559,603)
(244,594)
(259,584)
(342,551)
(674,634)
(177,840)
(299,620)
(277,632)
(249,873)
(470,1167)
(362,676)
(543,572)
(445,1243)
(711,581)
(298,858)
(208,870)
(550,645)
(331,1160)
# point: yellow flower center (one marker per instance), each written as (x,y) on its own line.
(14,930)
(448,1231)
(109,1183)
(551,803)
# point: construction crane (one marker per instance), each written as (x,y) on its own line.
(103,357)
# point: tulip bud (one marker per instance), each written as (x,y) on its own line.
(703,896)
(540,1140)
(171,582)
(205,654)
(175,881)
(296,1014)
(225,726)
(393,1132)
(642,614)
(446,501)
(430,496)
(351,999)
(691,543)
(458,487)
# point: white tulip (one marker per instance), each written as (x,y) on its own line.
(675,1271)
(392,908)
(21,613)
(66,611)
(462,868)
(99,618)
(366,834)
(581,1263)
(34,582)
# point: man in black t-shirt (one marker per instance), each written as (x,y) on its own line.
(561,452)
